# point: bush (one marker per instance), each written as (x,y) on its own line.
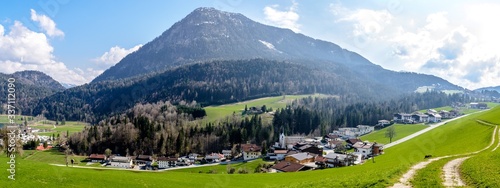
(242,171)
(231,171)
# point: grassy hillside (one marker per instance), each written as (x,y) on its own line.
(466,134)
(401,132)
(221,111)
(71,126)
(222,169)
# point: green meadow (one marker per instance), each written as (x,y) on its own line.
(221,111)
(70,126)
(402,130)
(222,169)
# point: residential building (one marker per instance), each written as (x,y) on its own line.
(144,160)
(251,151)
(434,118)
(363,148)
(287,142)
(301,158)
(286,166)
(227,153)
(403,118)
(214,157)
(383,122)
(378,149)
(162,162)
(277,155)
(420,118)
(97,158)
(121,162)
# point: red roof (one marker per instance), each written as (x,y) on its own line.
(286,166)
(250,148)
(97,156)
(40,148)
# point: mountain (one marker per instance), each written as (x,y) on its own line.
(208,34)
(216,57)
(30,86)
(67,86)
(497,88)
(208,83)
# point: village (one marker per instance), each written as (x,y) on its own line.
(340,148)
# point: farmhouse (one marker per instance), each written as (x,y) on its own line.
(250,151)
(97,158)
(403,118)
(363,148)
(214,157)
(420,118)
(162,162)
(301,158)
(383,122)
(144,159)
(121,162)
(434,118)
(378,149)
(277,155)
(227,153)
(285,166)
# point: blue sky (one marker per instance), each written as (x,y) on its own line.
(74,41)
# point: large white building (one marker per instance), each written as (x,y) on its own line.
(287,142)
(121,162)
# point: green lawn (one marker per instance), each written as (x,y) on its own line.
(51,156)
(447,108)
(402,131)
(221,111)
(71,126)
(466,134)
(482,170)
(18,119)
(222,169)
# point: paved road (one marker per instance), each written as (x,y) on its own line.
(432,126)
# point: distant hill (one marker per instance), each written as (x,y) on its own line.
(216,82)
(497,88)
(30,87)
(208,34)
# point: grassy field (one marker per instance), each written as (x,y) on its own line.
(447,108)
(482,170)
(466,134)
(221,111)
(51,157)
(18,119)
(222,169)
(401,132)
(71,126)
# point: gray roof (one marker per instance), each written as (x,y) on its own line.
(301,156)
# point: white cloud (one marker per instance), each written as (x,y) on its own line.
(287,18)
(461,48)
(46,24)
(115,54)
(24,49)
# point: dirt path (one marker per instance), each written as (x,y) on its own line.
(404,181)
(451,173)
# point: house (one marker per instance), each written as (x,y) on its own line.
(214,157)
(320,161)
(482,105)
(474,105)
(338,160)
(121,162)
(277,155)
(349,132)
(285,166)
(445,114)
(193,157)
(331,137)
(227,153)
(352,141)
(334,144)
(364,129)
(454,113)
(301,158)
(363,148)
(383,122)
(431,111)
(251,151)
(162,162)
(144,160)
(434,118)
(378,149)
(420,118)
(403,118)
(311,149)
(97,158)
